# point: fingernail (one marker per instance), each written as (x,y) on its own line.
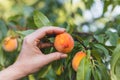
(63,28)
(64,55)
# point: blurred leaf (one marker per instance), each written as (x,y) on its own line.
(96,55)
(114,63)
(99,38)
(103,71)
(96,74)
(25,33)
(88,3)
(84,70)
(86,42)
(59,70)
(19,43)
(44,71)
(2,58)
(3,28)
(22,22)
(113,37)
(118,29)
(27,11)
(40,19)
(79,11)
(117,69)
(99,46)
(0,35)
(106,4)
(51,75)
(31,77)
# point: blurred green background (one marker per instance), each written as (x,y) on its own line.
(85,15)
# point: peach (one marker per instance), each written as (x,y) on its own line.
(77,59)
(10,44)
(64,42)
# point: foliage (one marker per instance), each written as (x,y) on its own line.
(98,37)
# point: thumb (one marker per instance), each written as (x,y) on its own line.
(55,56)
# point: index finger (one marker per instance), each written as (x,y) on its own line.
(40,33)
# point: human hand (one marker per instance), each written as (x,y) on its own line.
(31,58)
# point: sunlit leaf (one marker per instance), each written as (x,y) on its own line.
(2,58)
(40,19)
(31,77)
(115,67)
(25,33)
(84,70)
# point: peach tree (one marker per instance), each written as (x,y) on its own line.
(101,45)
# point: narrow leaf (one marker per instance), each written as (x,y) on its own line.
(84,70)
(115,63)
(40,19)
(31,77)
(25,33)
(99,46)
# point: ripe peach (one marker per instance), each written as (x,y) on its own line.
(10,44)
(64,42)
(77,59)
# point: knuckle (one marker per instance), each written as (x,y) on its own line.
(26,40)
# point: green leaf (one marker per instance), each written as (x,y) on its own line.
(25,33)
(88,3)
(96,55)
(57,67)
(96,74)
(104,72)
(79,11)
(44,71)
(31,77)
(99,38)
(3,28)
(106,4)
(0,35)
(2,58)
(40,19)
(113,37)
(99,46)
(115,67)
(84,70)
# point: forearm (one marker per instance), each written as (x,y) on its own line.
(11,73)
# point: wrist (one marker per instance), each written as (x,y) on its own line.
(13,72)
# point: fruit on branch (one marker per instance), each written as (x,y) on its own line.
(77,59)
(64,42)
(10,44)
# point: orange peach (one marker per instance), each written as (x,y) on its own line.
(10,44)
(64,42)
(77,59)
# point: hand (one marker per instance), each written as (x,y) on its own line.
(31,58)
